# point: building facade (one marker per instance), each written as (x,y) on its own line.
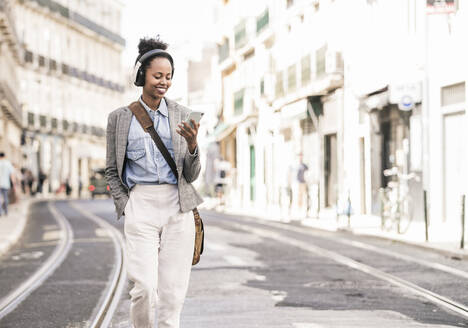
(71,78)
(11,117)
(353,95)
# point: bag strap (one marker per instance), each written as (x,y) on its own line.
(147,124)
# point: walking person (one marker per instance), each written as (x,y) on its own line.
(303,190)
(159,225)
(6,179)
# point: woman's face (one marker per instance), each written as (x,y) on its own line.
(158,77)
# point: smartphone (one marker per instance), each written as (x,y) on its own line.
(196,116)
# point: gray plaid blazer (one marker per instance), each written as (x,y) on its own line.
(188,167)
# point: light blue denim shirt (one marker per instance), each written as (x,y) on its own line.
(145,164)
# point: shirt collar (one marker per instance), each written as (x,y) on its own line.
(162,107)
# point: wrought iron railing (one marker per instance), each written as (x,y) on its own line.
(77,18)
(14,107)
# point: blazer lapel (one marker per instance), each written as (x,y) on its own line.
(123,127)
(174,120)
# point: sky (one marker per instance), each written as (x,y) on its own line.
(176,21)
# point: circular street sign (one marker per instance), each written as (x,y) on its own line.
(406,103)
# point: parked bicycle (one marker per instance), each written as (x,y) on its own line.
(396,201)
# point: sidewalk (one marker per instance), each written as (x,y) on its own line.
(443,238)
(12,226)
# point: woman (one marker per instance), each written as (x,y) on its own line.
(159,224)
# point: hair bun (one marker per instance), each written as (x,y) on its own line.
(148,44)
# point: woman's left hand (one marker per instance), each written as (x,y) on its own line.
(190,134)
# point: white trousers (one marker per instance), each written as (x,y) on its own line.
(159,246)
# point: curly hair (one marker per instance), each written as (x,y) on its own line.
(148,44)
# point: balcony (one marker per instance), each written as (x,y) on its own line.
(7,28)
(52,65)
(10,105)
(79,19)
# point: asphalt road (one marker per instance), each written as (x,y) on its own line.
(252,274)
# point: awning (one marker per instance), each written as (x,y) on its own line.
(223,130)
(377,100)
(294,111)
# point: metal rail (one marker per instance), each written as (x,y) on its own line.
(107,308)
(358,244)
(12,300)
(440,300)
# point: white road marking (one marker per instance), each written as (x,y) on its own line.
(52,235)
(101,232)
(278,295)
(214,246)
(28,256)
(234,260)
(260,278)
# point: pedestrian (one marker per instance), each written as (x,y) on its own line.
(159,225)
(68,187)
(23,180)
(6,182)
(30,181)
(80,187)
(303,190)
(40,181)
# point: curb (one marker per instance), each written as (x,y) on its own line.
(454,254)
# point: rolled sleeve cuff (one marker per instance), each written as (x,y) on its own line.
(195,153)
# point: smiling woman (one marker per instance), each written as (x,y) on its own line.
(155,198)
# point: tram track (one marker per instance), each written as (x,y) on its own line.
(265,229)
(112,295)
(15,297)
(102,315)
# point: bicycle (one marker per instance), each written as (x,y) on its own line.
(396,201)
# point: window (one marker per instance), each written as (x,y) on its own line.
(263,21)
(453,94)
(292,78)
(305,70)
(279,88)
(238,102)
(240,38)
(223,50)
(320,61)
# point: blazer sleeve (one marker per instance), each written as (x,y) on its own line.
(192,165)
(117,188)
